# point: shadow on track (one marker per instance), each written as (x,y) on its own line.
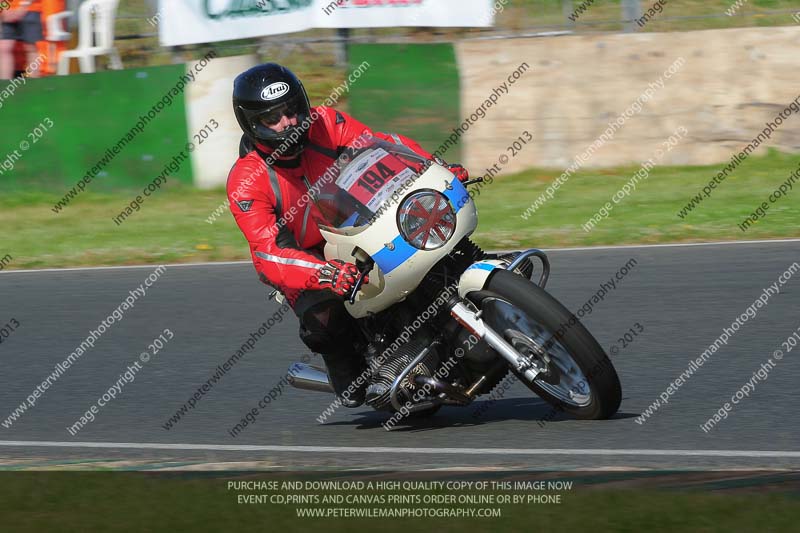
(531,409)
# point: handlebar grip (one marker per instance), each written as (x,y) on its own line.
(360,281)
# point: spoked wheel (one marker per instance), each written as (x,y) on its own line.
(575,374)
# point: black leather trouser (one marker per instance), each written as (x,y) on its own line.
(328,329)
(325,325)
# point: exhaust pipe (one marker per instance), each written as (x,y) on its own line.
(307,377)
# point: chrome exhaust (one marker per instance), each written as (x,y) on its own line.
(307,377)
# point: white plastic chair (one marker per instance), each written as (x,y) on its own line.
(56,33)
(95,36)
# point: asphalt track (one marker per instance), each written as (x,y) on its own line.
(682,296)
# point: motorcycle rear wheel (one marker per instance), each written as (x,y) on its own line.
(576,376)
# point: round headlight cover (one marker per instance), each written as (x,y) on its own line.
(426,220)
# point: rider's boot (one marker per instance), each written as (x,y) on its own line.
(344,369)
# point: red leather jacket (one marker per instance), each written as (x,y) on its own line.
(271,206)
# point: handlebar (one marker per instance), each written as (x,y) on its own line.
(360,280)
(473,181)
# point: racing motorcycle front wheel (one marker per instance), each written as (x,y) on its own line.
(575,374)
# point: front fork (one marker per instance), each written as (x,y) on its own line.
(472,322)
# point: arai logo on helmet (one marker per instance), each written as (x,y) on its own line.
(275,91)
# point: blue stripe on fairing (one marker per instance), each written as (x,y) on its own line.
(458,195)
(483,266)
(388,260)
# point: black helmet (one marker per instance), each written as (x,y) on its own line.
(268,92)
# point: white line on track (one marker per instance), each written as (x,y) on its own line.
(577,249)
(124,267)
(670,245)
(417,451)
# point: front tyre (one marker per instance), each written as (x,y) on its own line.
(576,375)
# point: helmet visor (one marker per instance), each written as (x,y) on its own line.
(268,117)
(272,116)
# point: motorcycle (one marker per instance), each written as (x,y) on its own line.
(444,322)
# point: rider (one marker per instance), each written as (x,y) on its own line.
(286,147)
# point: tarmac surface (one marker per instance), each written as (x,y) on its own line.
(681,296)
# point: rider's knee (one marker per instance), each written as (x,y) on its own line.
(327,327)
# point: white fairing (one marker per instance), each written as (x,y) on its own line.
(399,267)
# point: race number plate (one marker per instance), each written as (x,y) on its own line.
(373,176)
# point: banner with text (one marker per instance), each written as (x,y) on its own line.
(207,21)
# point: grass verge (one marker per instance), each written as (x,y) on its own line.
(130,502)
(172,225)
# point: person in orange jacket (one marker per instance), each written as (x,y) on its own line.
(21,21)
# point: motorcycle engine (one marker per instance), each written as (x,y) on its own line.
(378,391)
